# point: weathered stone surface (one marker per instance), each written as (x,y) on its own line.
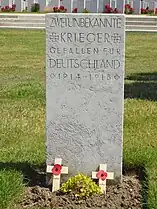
(84,90)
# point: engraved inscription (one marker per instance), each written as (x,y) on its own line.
(98,38)
(105,46)
(86,22)
(89,76)
(84,51)
(84,64)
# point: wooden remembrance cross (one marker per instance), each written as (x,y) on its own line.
(57,169)
(102,175)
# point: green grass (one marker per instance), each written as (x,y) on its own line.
(22,108)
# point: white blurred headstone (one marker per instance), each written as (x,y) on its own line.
(143,4)
(6,3)
(155,6)
(113,4)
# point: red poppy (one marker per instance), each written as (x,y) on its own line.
(61,8)
(56,170)
(74,10)
(55,9)
(101,175)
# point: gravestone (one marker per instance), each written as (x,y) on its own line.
(132,3)
(113,4)
(85,90)
(155,6)
(151,4)
(143,4)
(6,3)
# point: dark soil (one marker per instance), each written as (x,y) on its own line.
(123,196)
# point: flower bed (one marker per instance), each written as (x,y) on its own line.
(62,9)
(147,11)
(109,9)
(8,9)
(128,9)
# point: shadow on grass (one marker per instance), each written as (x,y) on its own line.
(143,177)
(143,77)
(144,86)
(33,175)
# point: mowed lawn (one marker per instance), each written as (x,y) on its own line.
(22,111)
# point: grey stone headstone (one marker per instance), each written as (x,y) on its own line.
(91,5)
(85,90)
(143,4)
(120,5)
(6,3)
(113,4)
(132,3)
(151,5)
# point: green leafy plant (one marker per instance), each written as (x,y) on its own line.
(85,11)
(81,186)
(35,7)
